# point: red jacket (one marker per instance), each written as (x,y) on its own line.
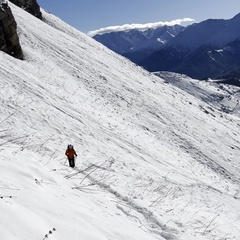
(70,153)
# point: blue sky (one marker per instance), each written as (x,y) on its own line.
(88,15)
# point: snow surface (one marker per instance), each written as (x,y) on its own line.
(154,162)
(224,97)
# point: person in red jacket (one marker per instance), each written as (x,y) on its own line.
(71,153)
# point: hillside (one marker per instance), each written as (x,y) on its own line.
(154,162)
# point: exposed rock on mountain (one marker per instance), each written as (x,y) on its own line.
(9,41)
(30,6)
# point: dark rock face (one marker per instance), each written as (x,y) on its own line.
(9,41)
(30,6)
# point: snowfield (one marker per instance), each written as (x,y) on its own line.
(155,162)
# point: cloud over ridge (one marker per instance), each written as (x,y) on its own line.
(141,27)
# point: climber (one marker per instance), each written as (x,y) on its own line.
(71,153)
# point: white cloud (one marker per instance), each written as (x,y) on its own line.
(142,27)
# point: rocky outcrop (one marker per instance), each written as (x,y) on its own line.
(9,40)
(30,6)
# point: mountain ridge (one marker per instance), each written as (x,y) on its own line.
(135,43)
(200,50)
(205,50)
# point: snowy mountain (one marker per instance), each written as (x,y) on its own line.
(203,50)
(154,162)
(138,44)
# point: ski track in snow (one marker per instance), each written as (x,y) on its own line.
(154,161)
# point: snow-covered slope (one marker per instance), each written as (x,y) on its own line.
(153,161)
(216,93)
